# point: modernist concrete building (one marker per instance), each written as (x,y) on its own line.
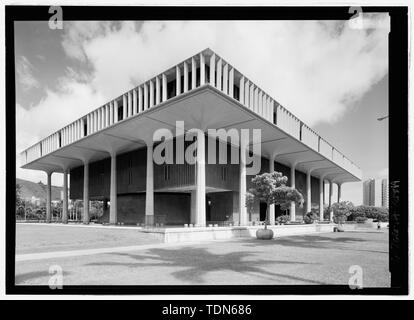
(109,151)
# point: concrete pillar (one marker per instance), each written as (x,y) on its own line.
(164,87)
(193,213)
(151,92)
(49,197)
(185,77)
(246,93)
(219,71)
(111,113)
(202,69)
(157,91)
(251,97)
(86,193)
(272,218)
(149,195)
(231,82)
(124,107)
(213,69)
(330,200)
(65,197)
(201,183)
(193,73)
(145,97)
(241,99)
(339,192)
(308,192)
(242,184)
(141,99)
(177,80)
(321,187)
(130,108)
(226,79)
(292,184)
(113,191)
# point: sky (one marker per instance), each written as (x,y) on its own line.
(331,75)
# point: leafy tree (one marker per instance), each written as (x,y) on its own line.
(19,200)
(271,188)
(249,203)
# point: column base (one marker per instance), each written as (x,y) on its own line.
(149,220)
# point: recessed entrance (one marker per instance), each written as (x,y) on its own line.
(263,207)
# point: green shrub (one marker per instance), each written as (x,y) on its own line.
(369,212)
(360,219)
(283,219)
(310,217)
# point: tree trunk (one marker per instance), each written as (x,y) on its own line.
(267,215)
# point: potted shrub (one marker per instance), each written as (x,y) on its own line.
(341,211)
(271,188)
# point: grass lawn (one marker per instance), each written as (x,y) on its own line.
(313,259)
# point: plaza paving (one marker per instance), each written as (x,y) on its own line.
(93,256)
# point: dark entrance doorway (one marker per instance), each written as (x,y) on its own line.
(208,208)
(263,207)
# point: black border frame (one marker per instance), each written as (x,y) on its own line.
(398,134)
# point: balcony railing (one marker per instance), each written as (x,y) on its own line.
(203,68)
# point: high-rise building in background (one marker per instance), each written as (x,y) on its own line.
(384,193)
(369,192)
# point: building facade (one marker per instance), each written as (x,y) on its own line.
(384,193)
(369,192)
(110,153)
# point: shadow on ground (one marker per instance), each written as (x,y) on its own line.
(199,261)
(21,278)
(311,241)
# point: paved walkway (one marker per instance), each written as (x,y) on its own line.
(313,259)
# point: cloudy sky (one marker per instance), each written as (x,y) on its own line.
(330,75)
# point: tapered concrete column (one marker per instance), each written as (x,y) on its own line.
(201,182)
(330,199)
(308,192)
(49,197)
(292,184)
(149,194)
(321,187)
(113,210)
(242,184)
(86,193)
(193,213)
(65,197)
(272,206)
(339,192)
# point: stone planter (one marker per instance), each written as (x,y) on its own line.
(264,234)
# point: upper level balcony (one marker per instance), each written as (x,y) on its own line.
(201,70)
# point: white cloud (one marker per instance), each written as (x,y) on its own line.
(315,69)
(24,74)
